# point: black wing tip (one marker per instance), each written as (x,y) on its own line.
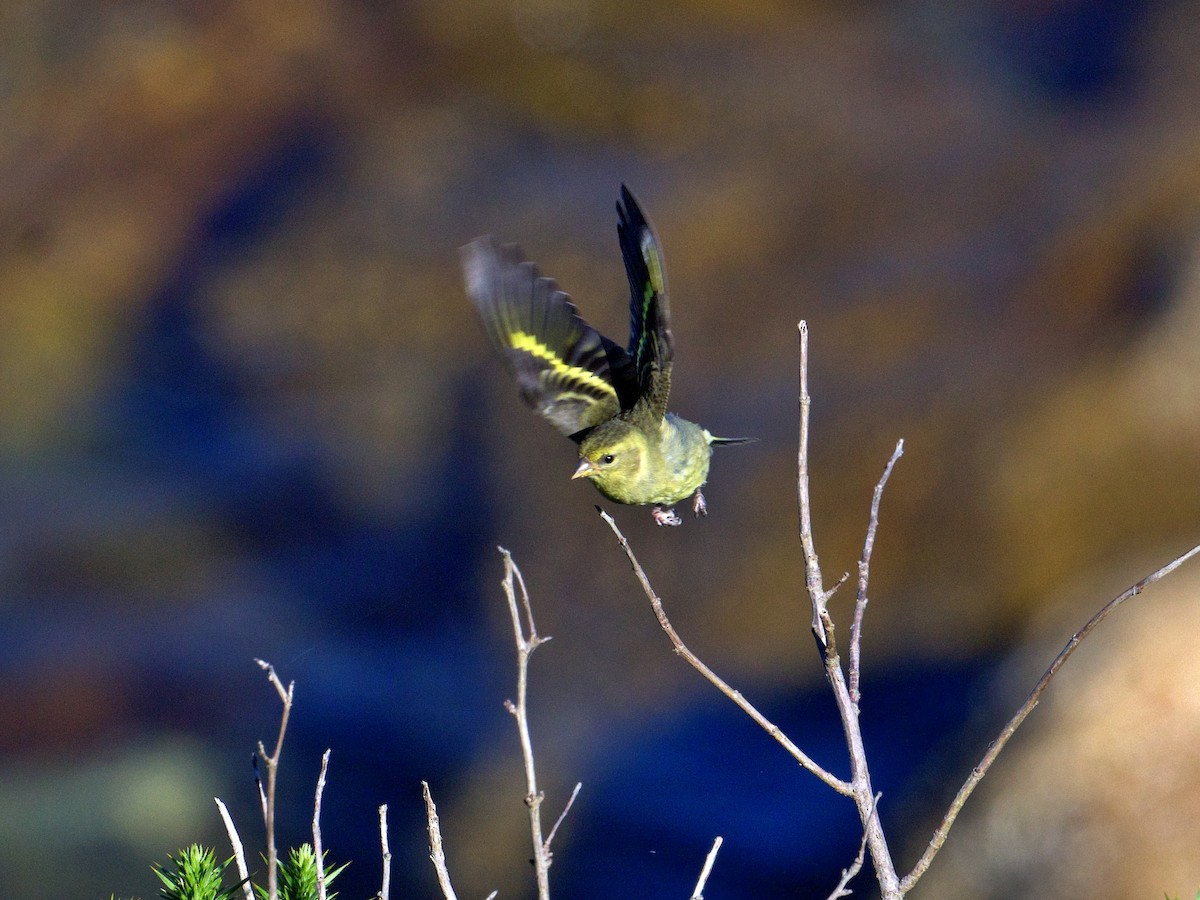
(631,226)
(626,200)
(629,211)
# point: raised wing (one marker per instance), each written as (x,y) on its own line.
(566,370)
(650,343)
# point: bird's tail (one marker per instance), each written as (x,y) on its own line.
(712,439)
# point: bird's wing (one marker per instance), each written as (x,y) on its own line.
(565,369)
(650,343)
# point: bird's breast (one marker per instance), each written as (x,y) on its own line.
(682,464)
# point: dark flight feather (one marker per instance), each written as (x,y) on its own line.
(650,344)
(565,369)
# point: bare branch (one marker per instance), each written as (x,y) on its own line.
(516,573)
(842,787)
(864,573)
(386,887)
(268,798)
(239,852)
(698,893)
(833,590)
(939,836)
(285,694)
(436,853)
(823,630)
(563,815)
(812,569)
(316,827)
(258,782)
(525,647)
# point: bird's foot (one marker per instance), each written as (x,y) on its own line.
(664,516)
(699,507)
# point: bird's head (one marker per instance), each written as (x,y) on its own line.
(612,454)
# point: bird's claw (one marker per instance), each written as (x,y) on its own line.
(664,516)
(699,507)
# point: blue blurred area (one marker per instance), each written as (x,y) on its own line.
(365,614)
(392,676)
(1076,51)
(651,815)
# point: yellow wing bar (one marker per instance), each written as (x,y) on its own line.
(528,343)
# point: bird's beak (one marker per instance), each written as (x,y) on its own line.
(586,469)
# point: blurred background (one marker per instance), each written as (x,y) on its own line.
(245,411)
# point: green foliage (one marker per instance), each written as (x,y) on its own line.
(298,876)
(195,875)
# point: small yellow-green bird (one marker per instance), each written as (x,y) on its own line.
(611,401)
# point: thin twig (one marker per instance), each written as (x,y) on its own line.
(823,629)
(286,696)
(316,827)
(939,836)
(239,852)
(833,590)
(258,782)
(842,889)
(698,893)
(386,887)
(864,574)
(526,644)
(812,570)
(842,787)
(526,605)
(563,814)
(436,853)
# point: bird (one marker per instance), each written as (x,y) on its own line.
(610,400)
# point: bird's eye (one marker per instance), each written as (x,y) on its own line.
(607,459)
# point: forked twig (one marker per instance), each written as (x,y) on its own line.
(527,640)
(526,644)
(267,797)
(846,692)
(860,773)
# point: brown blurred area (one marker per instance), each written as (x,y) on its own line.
(988,215)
